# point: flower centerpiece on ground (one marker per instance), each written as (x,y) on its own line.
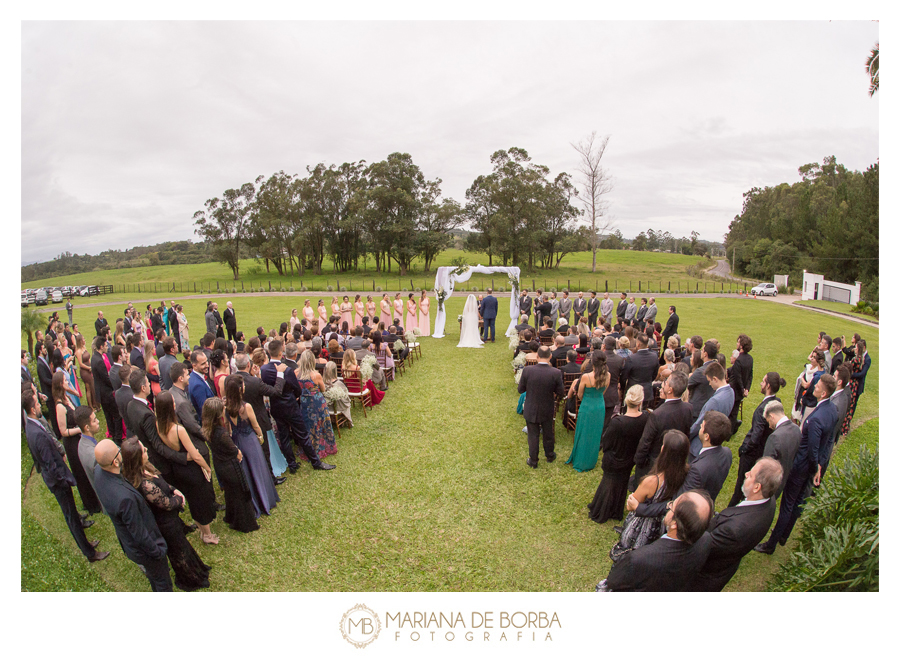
(365,369)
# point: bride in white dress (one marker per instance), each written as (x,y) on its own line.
(469,336)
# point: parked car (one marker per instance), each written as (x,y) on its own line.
(24,300)
(765,289)
(56,296)
(41,298)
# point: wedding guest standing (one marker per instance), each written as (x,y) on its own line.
(314,408)
(64,415)
(540,383)
(255,392)
(591,412)
(230,321)
(165,503)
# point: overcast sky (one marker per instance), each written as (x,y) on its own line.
(128,128)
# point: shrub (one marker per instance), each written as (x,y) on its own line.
(474,288)
(233,290)
(501,289)
(291,289)
(552,289)
(405,290)
(418,289)
(790,290)
(838,546)
(782,290)
(343,288)
(329,288)
(302,289)
(377,288)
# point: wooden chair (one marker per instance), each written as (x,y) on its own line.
(389,374)
(337,360)
(560,362)
(530,358)
(546,341)
(417,348)
(337,420)
(568,378)
(358,392)
(570,420)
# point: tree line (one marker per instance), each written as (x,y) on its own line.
(826,223)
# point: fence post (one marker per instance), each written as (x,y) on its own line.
(270,285)
(639,286)
(670,286)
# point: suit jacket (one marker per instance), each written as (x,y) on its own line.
(640,369)
(525,305)
(740,375)
(651,313)
(699,390)
(814,434)
(210,323)
(26,375)
(166,361)
(565,307)
(199,391)
(733,533)
(354,343)
(135,525)
(542,311)
(666,565)
(102,385)
(114,378)
(136,358)
(229,319)
(45,377)
(285,404)
(559,353)
(123,396)
(783,444)
(670,415)
(254,390)
(579,306)
(630,311)
(615,365)
(539,383)
(47,459)
(99,323)
(861,375)
(622,308)
(156,323)
(554,310)
(841,402)
(489,307)
(722,401)
(709,470)
(836,361)
(126,321)
(143,422)
(755,442)
(641,312)
(671,327)
(593,306)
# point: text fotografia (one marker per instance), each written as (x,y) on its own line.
(482,626)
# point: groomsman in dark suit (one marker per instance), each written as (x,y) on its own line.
(51,464)
(489,313)
(103,389)
(841,401)
(540,383)
(220,325)
(579,308)
(593,307)
(622,309)
(669,563)
(816,430)
(525,303)
(565,306)
(738,528)
(286,412)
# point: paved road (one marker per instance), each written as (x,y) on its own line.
(723,270)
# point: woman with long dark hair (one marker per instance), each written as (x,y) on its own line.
(166,503)
(227,458)
(591,412)
(195,476)
(661,484)
(248,437)
(63,417)
(219,369)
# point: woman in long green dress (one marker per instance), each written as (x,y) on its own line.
(591,412)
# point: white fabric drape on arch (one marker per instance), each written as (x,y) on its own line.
(447,281)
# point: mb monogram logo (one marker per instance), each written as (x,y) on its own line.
(360,626)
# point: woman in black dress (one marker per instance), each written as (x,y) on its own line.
(67,429)
(195,477)
(239,512)
(165,502)
(619,443)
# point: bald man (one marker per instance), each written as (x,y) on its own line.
(135,526)
(669,563)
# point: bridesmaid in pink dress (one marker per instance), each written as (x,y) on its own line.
(308,312)
(323,313)
(347,313)
(411,322)
(370,311)
(360,310)
(398,308)
(424,316)
(335,307)
(386,310)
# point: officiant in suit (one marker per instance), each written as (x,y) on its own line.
(230,321)
(489,314)
(540,383)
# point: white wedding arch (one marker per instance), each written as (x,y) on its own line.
(446,280)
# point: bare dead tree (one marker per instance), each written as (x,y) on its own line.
(595,183)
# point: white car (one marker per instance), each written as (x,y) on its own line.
(765,289)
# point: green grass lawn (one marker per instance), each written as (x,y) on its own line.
(836,307)
(616,269)
(431,492)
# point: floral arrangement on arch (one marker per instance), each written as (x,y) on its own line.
(441,295)
(513,282)
(460,270)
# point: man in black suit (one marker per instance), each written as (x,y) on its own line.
(738,528)
(254,390)
(117,356)
(699,388)
(622,308)
(135,526)
(816,430)
(525,304)
(156,320)
(740,376)
(671,326)
(710,468)
(26,373)
(579,308)
(672,414)
(126,321)
(50,462)
(123,396)
(220,325)
(143,423)
(542,311)
(593,307)
(669,563)
(103,389)
(230,320)
(45,374)
(784,441)
(286,412)
(489,313)
(136,358)
(755,442)
(540,383)
(837,356)
(100,322)
(571,367)
(559,350)
(547,328)
(640,369)
(614,365)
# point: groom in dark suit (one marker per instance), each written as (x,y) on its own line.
(539,383)
(489,314)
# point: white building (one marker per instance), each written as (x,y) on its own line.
(816,287)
